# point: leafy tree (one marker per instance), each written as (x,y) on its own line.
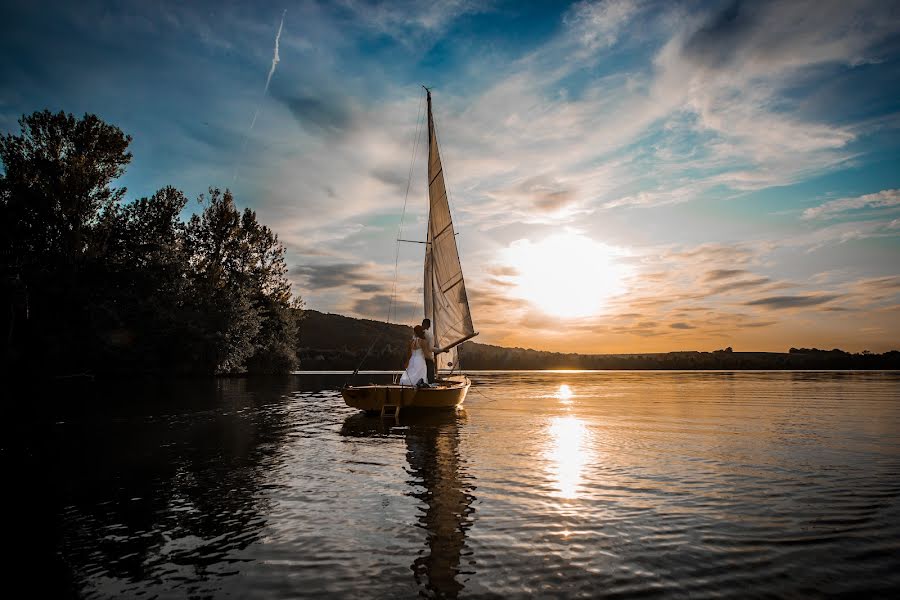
(239,274)
(56,185)
(94,284)
(136,314)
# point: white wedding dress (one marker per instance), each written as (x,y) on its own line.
(416,368)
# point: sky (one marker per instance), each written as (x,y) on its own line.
(624,175)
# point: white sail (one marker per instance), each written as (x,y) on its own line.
(446,303)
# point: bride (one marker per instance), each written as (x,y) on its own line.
(416,370)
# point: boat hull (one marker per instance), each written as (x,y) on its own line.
(372,398)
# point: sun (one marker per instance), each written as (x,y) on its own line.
(566,275)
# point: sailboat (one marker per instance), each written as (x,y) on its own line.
(446,305)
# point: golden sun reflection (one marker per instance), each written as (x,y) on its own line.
(569,453)
(565,394)
(567,274)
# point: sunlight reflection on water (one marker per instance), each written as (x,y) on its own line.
(568,453)
(561,484)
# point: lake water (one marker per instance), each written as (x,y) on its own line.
(549,484)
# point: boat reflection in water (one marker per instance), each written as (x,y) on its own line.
(432,451)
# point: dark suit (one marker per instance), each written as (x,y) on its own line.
(429,356)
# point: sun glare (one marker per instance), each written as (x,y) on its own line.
(567,274)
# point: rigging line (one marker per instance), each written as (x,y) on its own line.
(489,399)
(397,250)
(403,212)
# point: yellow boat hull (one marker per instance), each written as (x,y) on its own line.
(450,393)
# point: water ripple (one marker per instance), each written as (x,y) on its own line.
(582,484)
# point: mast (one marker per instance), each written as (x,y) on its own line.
(446,302)
(429,271)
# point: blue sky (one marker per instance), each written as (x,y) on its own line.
(706,174)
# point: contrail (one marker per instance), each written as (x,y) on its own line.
(275,60)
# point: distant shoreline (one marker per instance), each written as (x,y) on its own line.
(332,342)
(577,371)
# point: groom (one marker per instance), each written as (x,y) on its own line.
(429,351)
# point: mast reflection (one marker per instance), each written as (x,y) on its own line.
(432,451)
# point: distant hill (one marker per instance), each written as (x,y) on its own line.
(329,341)
(335,342)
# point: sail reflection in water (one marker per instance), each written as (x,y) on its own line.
(568,453)
(441,483)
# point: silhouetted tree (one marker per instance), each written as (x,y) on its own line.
(56,185)
(138,315)
(94,284)
(240,290)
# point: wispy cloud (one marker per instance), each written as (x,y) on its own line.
(712,108)
(599,25)
(833,208)
(671,129)
(841,233)
(788,302)
(405,19)
(717,274)
(523,150)
(741,284)
(325,276)
(381,306)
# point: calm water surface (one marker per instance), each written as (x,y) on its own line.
(549,484)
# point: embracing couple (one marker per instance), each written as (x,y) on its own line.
(420,367)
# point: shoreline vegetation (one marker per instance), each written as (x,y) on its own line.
(95,285)
(337,342)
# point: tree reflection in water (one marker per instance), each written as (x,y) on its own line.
(149,489)
(440,482)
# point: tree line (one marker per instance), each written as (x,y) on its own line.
(332,341)
(482,356)
(92,283)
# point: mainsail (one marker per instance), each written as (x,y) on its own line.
(446,303)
